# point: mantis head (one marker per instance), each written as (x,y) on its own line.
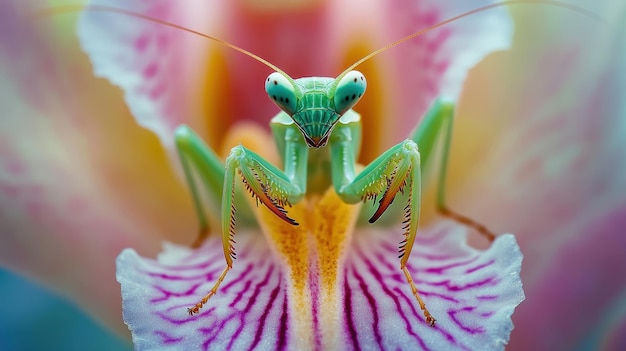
(316,104)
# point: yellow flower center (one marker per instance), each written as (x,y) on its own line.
(313,253)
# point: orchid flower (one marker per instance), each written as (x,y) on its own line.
(345,289)
(119,191)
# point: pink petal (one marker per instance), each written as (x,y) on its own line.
(577,289)
(559,154)
(472,294)
(407,78)
(437,63)
(155,65)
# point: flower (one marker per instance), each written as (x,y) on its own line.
(118,215)
(289,293)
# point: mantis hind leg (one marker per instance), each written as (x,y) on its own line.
(196,156)
(436,127)
(193,151)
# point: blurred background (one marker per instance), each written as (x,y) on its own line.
(34,318)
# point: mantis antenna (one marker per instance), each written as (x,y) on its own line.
(564,5)
(103,8)
(42,13)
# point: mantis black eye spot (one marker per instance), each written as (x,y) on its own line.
(349,89)
(282,90)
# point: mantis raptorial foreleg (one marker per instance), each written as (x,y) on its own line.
(399,167)
(393,171)
(267,184)
(390,173)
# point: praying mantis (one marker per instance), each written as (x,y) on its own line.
(316,127)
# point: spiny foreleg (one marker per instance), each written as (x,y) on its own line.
(266,183)
(396,170)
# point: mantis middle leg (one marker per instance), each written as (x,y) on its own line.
(436,127)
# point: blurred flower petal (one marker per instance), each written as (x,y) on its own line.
(442,57)
(406,79)
(154,64)
(439,60)
(562,176)
(66,190)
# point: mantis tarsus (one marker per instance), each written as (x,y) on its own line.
(317,127)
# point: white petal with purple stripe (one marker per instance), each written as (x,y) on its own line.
(472,294)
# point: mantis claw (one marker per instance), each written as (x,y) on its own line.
(196,308)
(395,183)
(427,316)
(383,204)
(276,205)
(193,310)
(430,320)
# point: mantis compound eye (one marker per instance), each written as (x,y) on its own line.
(349,91)
(282,92)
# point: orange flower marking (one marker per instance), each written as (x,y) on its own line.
(313,254)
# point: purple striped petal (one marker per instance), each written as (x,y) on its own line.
(249,309)
(471,293)
(285,291)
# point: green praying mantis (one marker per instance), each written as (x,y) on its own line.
(317,129)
